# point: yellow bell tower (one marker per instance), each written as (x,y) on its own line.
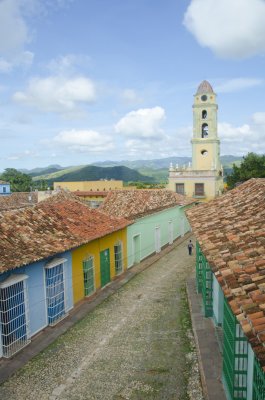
(205,142)
(203,179)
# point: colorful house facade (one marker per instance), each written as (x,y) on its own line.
(45,264)
(230,275)
(4,188)
(98,262)
(158,219)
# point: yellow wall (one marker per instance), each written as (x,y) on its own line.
(89,185)
(211,187)
(93,249)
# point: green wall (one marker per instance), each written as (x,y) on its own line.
(141,234)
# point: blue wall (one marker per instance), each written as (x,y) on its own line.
(4,188)
(37,290)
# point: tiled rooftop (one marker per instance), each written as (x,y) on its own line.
(17,200)
(141,202)
(231,233)
(204,87)
(50,227)
(4,183)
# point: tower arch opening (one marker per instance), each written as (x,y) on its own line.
(205,130)
(204,114)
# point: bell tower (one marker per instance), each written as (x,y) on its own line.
(203,180)
(205,142)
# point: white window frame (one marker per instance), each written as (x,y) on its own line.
(118,272)
(157,239)
(170,232)
(15,346)
(134,249)
(88,258)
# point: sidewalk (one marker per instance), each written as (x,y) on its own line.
(38,343)
(209,357)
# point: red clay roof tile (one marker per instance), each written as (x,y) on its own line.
(52,226)
(141,202)
(238,217)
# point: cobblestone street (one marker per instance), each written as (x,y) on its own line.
(135,345)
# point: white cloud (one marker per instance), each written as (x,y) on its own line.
(22,155)
(143,123)
(13,29)
(230,28)
(130,96)
(56,93)
(84,141)
(240,140)
(5,66)
(23,60)
(137,147)
(234,85)
(258,118)
(228,132)
(14,36)
(67,63)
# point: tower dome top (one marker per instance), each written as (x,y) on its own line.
(204,87)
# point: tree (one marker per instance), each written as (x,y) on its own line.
(252,166)
(19,182)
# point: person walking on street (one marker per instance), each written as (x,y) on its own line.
(190,247)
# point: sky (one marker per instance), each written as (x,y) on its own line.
(92,80)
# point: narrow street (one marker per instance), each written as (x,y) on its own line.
(135,345)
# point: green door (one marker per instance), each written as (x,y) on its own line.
(88,271)
(104,267)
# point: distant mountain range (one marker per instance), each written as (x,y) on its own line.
(92,173)
(162,162)
(155,170)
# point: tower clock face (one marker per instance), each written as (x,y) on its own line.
(203,97)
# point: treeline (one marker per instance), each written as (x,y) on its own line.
(21,182)
(252,166)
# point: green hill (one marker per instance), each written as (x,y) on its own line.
(93,173)
(140,170)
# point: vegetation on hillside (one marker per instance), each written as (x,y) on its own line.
(19,182)
(252,166)
(93,173)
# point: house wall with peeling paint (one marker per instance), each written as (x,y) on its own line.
(34,298)
(141,241)
(93,249)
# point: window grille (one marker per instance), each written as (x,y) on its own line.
(180,188)
(198,268)
(207,288)
(88,271)
(118,258)
(235,356)
(199,189)
(14,320)
(55,292)
(258,382)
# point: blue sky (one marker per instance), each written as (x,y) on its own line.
(92,80)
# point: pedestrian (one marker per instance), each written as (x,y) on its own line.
(190,247)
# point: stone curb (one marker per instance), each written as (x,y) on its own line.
(209,357)
(203,379)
